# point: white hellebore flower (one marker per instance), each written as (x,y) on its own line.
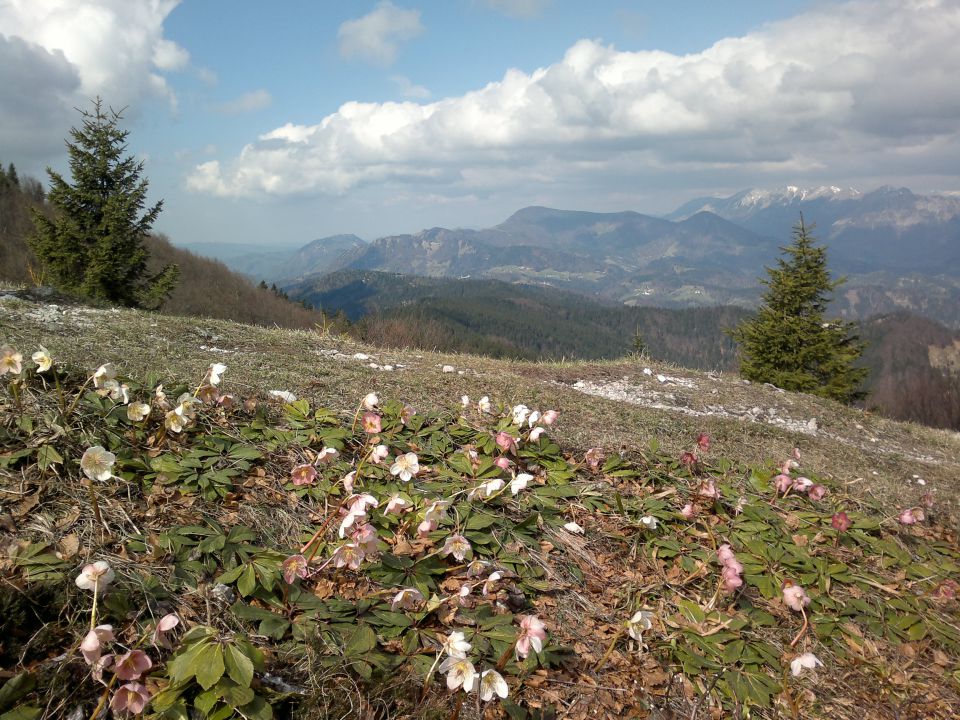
(95,576)
(97,463)
(43,360)
(807,660)
(370,401)
(486,489)
(649,522)
(103,373)
(285,395)
(492,683)
(458,546)
(520,413)
(456,645)
(484,405)
(520,482)
(137,411)
(638,623)
(465,401)
(460,673)
(406,466)
(573,528)
(10,361)
(406,599)
(216,370)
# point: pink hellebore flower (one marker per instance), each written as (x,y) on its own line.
(371,423)
(840,522)
(506,442)
(594,457)
(397,506)
(688,459)
(731,574)
(502,462)
(348,555)
(326,455)
(130,698)
(703,441)
(911,516)
(92,646)
(782,482)
(366,537)
(709,490)
(348,481)
(379,454)
(294,567)
(458,546)
(688,511)
(802,484)
(131,665)
(164,625)
(303,475)
(536,433)
(807,660)
(406,599)
(816,492)
(730,578)
(795,596)
(532,634)
(549,417)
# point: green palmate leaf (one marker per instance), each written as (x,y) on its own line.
(24,712)
(753,686)
(362,641)
(239,666)
(47,455)
(208,665)
(15,688)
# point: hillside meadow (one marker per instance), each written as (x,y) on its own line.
(670,543)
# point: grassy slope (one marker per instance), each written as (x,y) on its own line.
(866,456)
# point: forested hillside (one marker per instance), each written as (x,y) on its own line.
(503,319)
(207,288)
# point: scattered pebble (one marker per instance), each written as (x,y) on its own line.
(447,369)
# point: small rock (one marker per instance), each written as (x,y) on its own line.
(448,369)
(647,371)
(662,378)
(361,356)
(812,424)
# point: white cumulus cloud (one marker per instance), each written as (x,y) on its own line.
(858,87)
(68,51)
(376,37)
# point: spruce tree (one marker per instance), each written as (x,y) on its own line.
(94,244)
(789,342)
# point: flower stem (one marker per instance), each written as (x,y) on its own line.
(93,610)
(93,503)
(803,629)
(103,698)
(609,652)
(76,400)
(505,658)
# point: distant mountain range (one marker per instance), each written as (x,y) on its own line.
(900,251)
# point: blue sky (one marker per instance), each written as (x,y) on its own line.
(277,123)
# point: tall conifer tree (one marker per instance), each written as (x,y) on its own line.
(94,244)
(789,342)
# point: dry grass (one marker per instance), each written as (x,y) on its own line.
(872,456)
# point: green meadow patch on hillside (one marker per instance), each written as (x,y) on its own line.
(238,551)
